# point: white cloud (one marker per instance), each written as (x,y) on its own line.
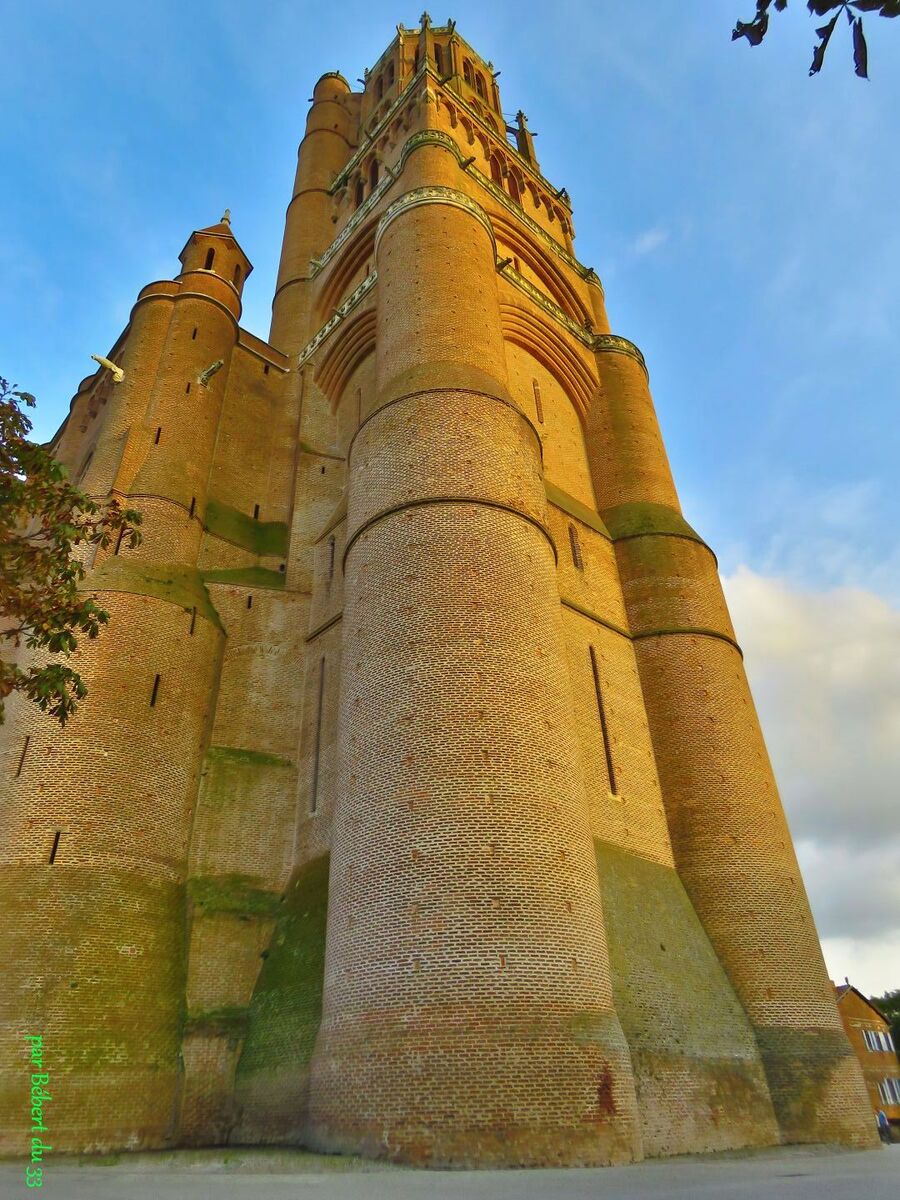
(825,671)
(650,240)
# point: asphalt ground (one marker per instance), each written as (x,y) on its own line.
(790,1173)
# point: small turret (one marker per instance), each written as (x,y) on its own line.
(216,249)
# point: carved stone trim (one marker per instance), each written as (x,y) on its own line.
(337,317)
(435,194)
(549,306)
(606,343)
(436,137)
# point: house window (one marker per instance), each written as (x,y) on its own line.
(479,86)
(439,60)
(360,192)
(468,73)
(889,1090)
(390,75)
(379,88)
(210,259)
(495,171)
(880,1043)
(373,174)
(237,275)
(513,184)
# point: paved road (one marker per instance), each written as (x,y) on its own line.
(789,1174)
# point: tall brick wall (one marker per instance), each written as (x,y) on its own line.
(450,833)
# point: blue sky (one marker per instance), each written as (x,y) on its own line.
(742,216)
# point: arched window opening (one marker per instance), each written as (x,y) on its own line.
(416,60)
(513,184)
(496,174)
(237,275)
(390,75)
(360,192)
(490,120)
(468,74)
(479,86)
(379,87)
(373,174)
(439,60)
(210,259)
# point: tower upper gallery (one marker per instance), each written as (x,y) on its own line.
(428,80)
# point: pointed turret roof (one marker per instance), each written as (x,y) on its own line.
(221,229)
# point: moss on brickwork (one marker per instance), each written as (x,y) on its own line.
(575,508)
(109,994)
(231,894)
(228,1021)
(667,979)
(641,517)
(171,582)
(259,577)
(287,1002)
(799,1066)
(260,537)
(231,774)
(693,1050)
(245,758)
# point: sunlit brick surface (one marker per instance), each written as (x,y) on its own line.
(418,807)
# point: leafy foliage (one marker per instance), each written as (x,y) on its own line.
(889,1006)
(754,31)
(43,520)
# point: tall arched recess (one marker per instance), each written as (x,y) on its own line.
(542,395)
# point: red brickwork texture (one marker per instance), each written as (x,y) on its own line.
(419,807)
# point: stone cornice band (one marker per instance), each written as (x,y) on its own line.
(476,501)
(468,391)
(434,194)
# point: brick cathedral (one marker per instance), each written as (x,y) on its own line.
(419,807)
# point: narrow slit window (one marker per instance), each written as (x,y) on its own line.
(249,601)
(360,192)
(314,795)
(22,756)
(390,75)
(193,507)
(237,275)
(255,512)
(538,403)
(55,847)
(373,174)
(576,548)
(439,59)
(158,435)
(265,369)
(513,185)
(607,749)
(496,175)
(155,692)
(210,259)
(193,621)
(187,390)
(194,334)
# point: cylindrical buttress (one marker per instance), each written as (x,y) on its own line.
(468,1013)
